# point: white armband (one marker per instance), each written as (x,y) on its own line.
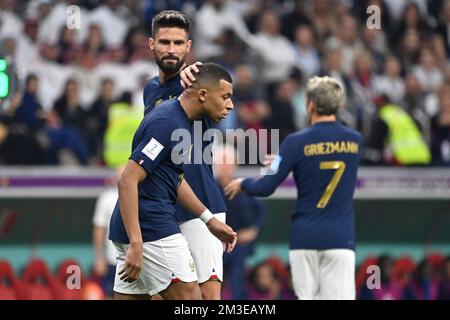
(206,216)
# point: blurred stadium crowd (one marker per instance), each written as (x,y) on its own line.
(401,279)
(67,80)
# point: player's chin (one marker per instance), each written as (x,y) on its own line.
(216,119)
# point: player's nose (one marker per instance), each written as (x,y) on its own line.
(171,48)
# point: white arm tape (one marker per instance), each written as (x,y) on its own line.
(206,216)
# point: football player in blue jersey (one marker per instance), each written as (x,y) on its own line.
(170,43)
(152,255)
(324,160)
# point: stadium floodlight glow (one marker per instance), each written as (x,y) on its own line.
(4,79)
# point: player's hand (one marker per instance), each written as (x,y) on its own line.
(223,232)
(100,266)
(268,159)
(247,235)
(133,263)
(233,188)
(187,74)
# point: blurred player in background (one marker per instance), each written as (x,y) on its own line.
(170,43)
(324,159)
(245,215)
(153,256)
(105,254)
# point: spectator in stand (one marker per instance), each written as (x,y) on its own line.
(264,283)
(323,20)
(291,21)
(428,72)
(10,23)
(440,129)
(50,27)
(408,48)
(94,47)
(360,9)
(390,83)
(444,285)
(347,39)
(30,112)
(214,20)
(307,56)
(274,67)
(111,18)
(422,286)
(282,110)
(250,110)
(66,44)
(437,46)
(97,118)
(374,41)
(123,121)
(18,144)
(411,19)
(389,290)
(395,138)
(137,42)
(414,103)
(444,24)
(68,107)
(66,128)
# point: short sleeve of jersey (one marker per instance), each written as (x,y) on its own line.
(155,144)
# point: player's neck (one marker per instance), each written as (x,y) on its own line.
(190,106)
(163,77)
(321,118)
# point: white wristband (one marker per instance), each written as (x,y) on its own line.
(206,216)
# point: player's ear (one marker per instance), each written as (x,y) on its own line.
(202,94)
(310,106)
(151,43)
(189,44)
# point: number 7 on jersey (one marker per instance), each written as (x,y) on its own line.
(339,166)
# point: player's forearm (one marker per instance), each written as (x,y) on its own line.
(188,199)
(278,171)
(128,201)
(98,236)
(263,187)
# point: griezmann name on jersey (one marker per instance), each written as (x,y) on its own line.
(324,160)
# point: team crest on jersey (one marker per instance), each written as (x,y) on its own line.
(192,265)
(159,101)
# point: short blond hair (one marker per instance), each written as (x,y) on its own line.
(327,94)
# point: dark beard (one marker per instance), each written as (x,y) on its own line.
(169,69)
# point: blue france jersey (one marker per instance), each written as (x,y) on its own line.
(199,176)
(324,160)
(155,92)
(157,193)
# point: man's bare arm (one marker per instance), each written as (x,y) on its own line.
(128,202)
